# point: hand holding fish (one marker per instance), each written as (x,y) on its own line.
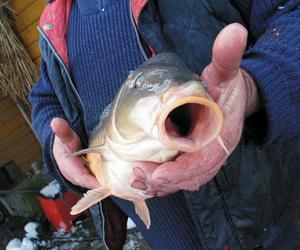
(66,141)
(236,93)
(160,111)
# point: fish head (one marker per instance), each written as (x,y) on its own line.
(163,99)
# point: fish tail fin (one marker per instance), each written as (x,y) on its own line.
(219,139)
(90,198)
(142,211)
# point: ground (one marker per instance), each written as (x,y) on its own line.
(83,236)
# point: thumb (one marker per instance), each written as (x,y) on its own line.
(64,132)
(228,50)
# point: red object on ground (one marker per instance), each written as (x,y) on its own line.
(57,210)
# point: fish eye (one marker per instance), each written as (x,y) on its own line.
(136,82)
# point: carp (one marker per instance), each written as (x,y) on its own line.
(160,111)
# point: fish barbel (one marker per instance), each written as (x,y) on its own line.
(161,110)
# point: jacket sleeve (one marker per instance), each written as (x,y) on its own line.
(274,63)
(45,106)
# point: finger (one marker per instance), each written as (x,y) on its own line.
(62,130)
(137,184)
(172,173)
(158,189)
(143,170)
(187,166)
(177,179)
(160,193)
(74,171)
(72,167)
(142,179)
(228,50)
(195,183)
(192,185)
(88,181)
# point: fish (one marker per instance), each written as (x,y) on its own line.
(161,110)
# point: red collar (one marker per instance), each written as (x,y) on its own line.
(54,23)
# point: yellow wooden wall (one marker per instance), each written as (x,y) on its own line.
(27,14)
(17,141)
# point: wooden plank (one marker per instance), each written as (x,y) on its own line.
(20,5)
(14,136)
(5,103)
(37,157)
(13,151)
(30,34)
(29,15)
(29,155)
(34,50)
(24,167)
(11,125)
(9,114)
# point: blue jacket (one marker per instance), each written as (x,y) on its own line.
(243,206)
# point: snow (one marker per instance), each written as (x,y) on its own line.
(130,244)
(68,246)
(62,226)
(30,229)
(42,243)
(51,190)
(133,241)
(14,244)
(61,233)
(130,224)
(29,241)
(26,244)
(95,244)
(80,237)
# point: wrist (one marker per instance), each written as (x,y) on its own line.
(252,96)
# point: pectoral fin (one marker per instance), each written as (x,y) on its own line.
(94,149)
(143,212)
(90,198)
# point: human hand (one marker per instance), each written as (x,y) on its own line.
(66,141)
(236,93)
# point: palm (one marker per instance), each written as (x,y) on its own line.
(227,86)
(66,141)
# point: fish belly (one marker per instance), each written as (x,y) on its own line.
(118,181)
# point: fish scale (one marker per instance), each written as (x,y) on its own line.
(138,127)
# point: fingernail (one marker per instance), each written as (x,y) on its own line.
(139,185)
(138,172)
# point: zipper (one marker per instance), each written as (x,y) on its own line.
(103,228)
(78,97)
(64,67)
(68,75)
(82,111)
(136,32)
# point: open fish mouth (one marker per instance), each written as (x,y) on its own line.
(190,123)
